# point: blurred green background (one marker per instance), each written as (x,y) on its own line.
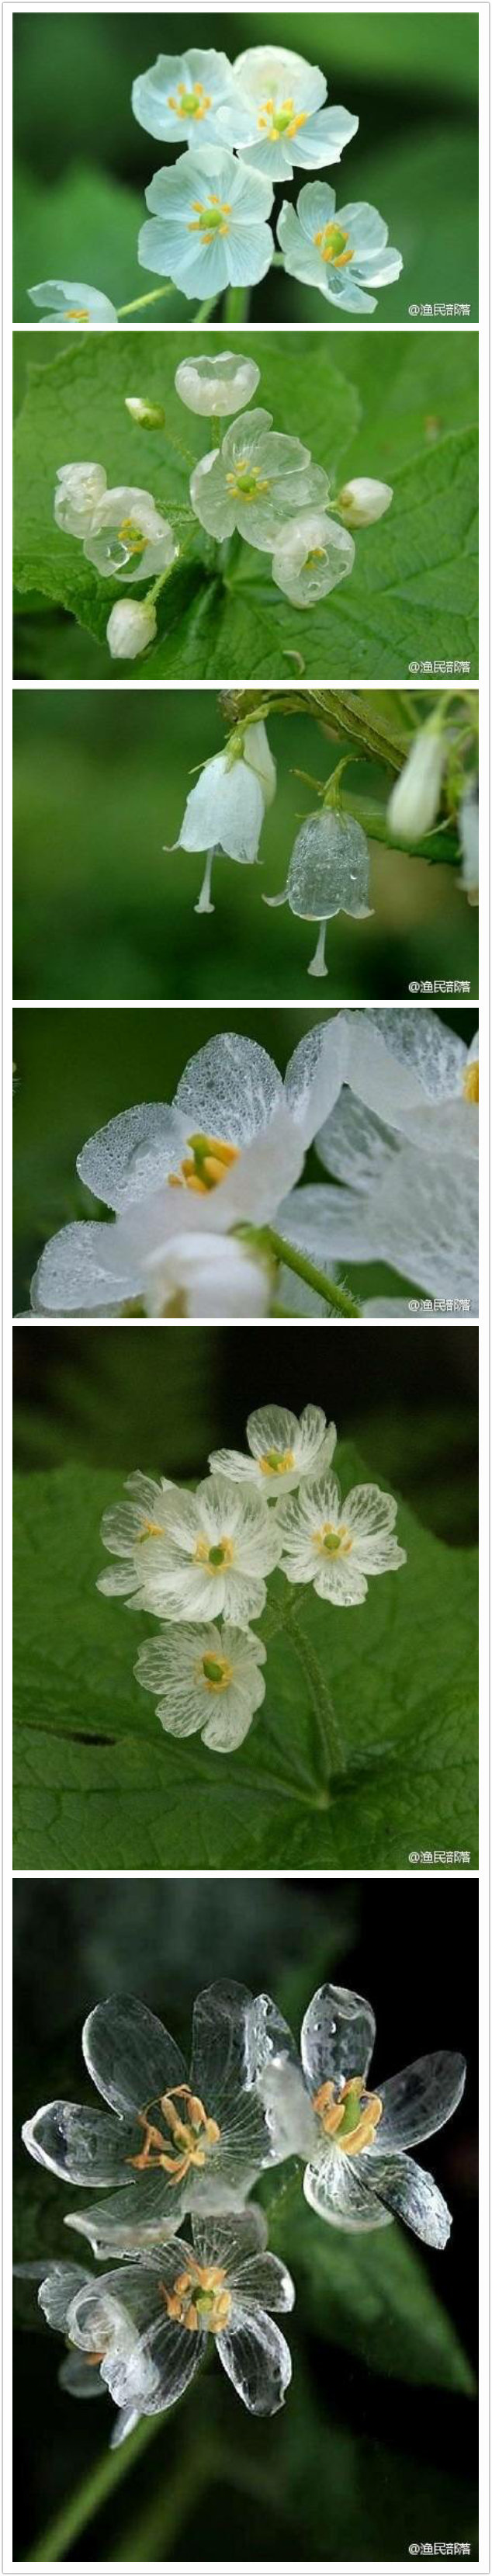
(118,1398)
(376,2447)
(82,163)
(76,1069)
(100,910)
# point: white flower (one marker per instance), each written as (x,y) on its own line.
(404,1139)
(362,501)
(415,798)
(328,873)
(211,1561)
(209,226)
(145,415)
(109,2330)
(178,99)
(312,554)
(225,810)
(336,1545)
(79,489)
(127,1527)
(206,1681)
(469,838)
(214,386)
(256,482)
(73,303)
(128,539)
(276,115)
(222,1154)
(131,625)
(283,1449)
(342,253)
(167,2140)
(354,2143)
(223,2284)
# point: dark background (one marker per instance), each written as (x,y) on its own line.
(128,1396)
(102,911)
(381,2463)
(76,1069)
(82,162)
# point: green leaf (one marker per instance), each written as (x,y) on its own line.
(432,222)
(411,599)
(99,1785)
(373,2295)
(86,219)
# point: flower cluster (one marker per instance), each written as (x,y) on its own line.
(174,2146)
(199,1563)
(259,483)
(204,1190)
(240,129)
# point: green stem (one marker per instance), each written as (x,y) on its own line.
(331,1742)
(88,2498)
(139,300)
(305,1269)
(203,310)
(236,304)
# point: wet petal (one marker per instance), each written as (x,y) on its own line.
(137,2217)
(335,2189)
(226,2242)
(410,2194)
(81,2145)
(229,1089)
(128,1158)
(58,2287)
(158,2369)
(130,2056)
(265,2283)
(257,2359)
(77,1276)
(337,2036)
(420,2100)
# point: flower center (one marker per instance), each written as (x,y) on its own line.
(246,480)
(217,1673)
(350,2117)
(332,243)
(190,102)
(275,121)
(131,536)
(208,1163)
(199,2298)
(317,555)
(151,1529)
(211,218)
(470,1081)
(277,1462)
(179,2142)
(216,1557)
(332,1541)
(73,316)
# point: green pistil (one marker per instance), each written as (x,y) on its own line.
(282,120)
(212,220)
(216,1555)
(204,2302)
(190,103)
(274,1460)
(213,1672)
(336,240)
(351,2114)
(331,1543)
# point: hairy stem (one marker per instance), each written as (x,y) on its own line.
(333,1296)
(139,300)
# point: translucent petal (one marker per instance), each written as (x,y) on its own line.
(135,2218)
(79,2378)
(341,1581)
(152,91)
(75,1275)
(129,1157)
(354,1144)
(81,2145)
(266,2283)
(230,2243)
(368,232)
(336,2189)
(130,2056)
(368,1511)
(337,2036)
(229,1089)
(315,1073)
(257,2359)
(214,386)
(249,253)
(58,2288)
(218,2066)
(225,808)
(420,2100)
(409,2193)
(158,2369)
(329,868)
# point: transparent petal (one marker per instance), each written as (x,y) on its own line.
(420,2100)
(229,1089)
(81,2145)
(138,2216)
(257,2359)
(76,1275)
(130,2056)
(264,2282)
(128,1158)
(409,2193)
(337,2036)
(158,2369)
(218,2063)
(233,2242)
(58,2288)
(79,2378)
(336,2189)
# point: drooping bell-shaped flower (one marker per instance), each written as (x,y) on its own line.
(312,553)
(78,491)
(225,809)
(215,386)
(328,873)
(469,840)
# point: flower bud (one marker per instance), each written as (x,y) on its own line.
(363,500)
(146,415)
(415,798)
(132,625)
(215,386)
(469,838)
(328,873)
(79,488)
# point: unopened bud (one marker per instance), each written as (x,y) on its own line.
(363,500)
(415,799)
(146,415)
(132,625)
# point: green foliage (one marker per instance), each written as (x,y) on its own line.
(408,416)
(99,1784)
(372,2295)
(86,216)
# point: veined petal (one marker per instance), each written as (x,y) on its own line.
(218,2063)
(337,2036)
(335,2188)
(76,1276)
(57,2289)
(263,2282)
(157,2370)
(134,2219)
(420,2100)
(127,1159)
(226,2242)
(257,2359)
(130,2056)
(409,2193)
(80,2145)
(79,2378)
(229,1089)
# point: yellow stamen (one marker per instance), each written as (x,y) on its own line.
(470,1081)
(280,122)
(332,1541)
(215,1557)
(190,102)
(277,1462)
(244,482)
(151,1529)
(332,243)
(73,316)
(211,218)
(131,536)
(199,2298)
(215,1672)
(210,1161)
(351,2126)
(189,2137)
